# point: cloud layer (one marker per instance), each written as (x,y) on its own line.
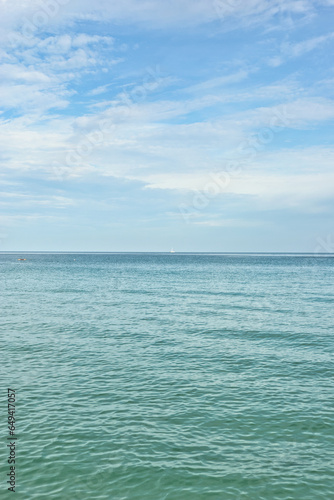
(163,102)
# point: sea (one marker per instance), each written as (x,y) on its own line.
(158,376)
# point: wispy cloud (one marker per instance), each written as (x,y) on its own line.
(10,199)
(154,101)
(163,14)
(228,223)
(292,50)
(221,81)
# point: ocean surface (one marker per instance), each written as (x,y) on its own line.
(168,376)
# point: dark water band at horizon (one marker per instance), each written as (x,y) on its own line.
(272,254)
(169,376)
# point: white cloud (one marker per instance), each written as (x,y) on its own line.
(37,75)
(19,220)
(100,90)
(142,146)
(36,15)
(220,81)
(150,141)
(265,190)
(18,72)
(226,223)
(12,199)
(31,98)
(298,49)
(288,179)
(293,50)
(299,114)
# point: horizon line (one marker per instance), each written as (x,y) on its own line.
(162,252)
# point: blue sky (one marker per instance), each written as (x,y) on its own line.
(143,125)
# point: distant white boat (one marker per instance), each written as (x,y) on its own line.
(172,250)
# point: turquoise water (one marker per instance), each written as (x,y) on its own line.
(169,377)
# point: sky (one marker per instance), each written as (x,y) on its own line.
(141,125)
